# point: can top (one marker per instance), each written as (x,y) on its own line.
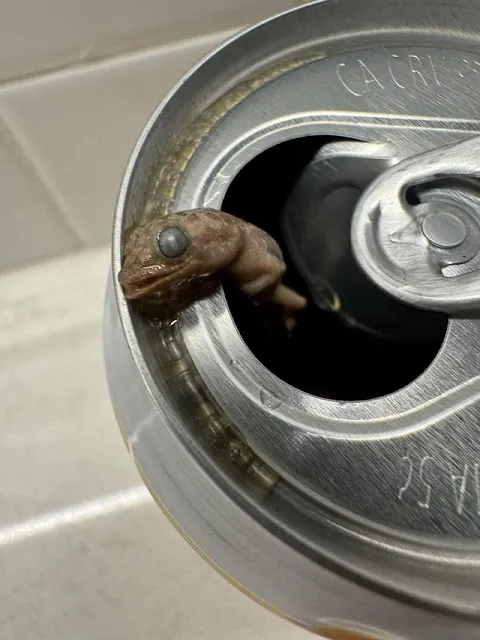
(395,478)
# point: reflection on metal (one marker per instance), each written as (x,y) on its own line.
(316,226)
(439,234)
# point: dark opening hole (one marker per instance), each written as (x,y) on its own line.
(323,356)
(412,197)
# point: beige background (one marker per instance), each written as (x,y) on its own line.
(78,80)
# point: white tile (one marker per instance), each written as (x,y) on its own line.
(125,576)
(59,442)
(32,227)
(36,35)
(38,301)
(80,127)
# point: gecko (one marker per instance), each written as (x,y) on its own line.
(180,256)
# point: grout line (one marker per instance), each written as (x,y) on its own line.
(17,145)
(76,514)
(83,64)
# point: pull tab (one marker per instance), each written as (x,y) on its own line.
(317,220)
(425,255)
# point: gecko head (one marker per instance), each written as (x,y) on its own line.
(166,254)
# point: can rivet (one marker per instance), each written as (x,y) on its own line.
(444,229)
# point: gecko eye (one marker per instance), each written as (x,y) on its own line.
(172,242)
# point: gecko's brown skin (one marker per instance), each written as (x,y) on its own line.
(219,246)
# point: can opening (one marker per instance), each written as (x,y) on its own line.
(323,355)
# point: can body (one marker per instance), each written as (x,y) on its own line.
(342,512)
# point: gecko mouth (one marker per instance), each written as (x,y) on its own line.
(134,289)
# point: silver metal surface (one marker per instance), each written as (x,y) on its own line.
(334,513)
(410,267)
(444,229)
(316,228)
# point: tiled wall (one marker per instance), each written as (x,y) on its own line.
(78,81)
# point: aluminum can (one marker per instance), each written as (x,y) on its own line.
(335,479)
